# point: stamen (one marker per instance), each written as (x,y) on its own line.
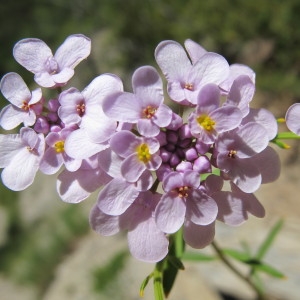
(189,86)
(25,106)
(206,122)
(232,153)
(149,112)
(80,108)
(143,153)
(183,191)
(59,146)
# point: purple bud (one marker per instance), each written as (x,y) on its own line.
(165,155)
(52,116)
(53,105)
(185,143)
(170,147)
(202,165)
(172,137)
(161,137)
(55,128)
(183,166)
(184,132)
(174,160)
(175,123)
(191,154)
(201,147)
(41,125)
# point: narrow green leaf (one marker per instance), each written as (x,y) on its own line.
(258,282)
(287,135)
(144,284)
(238,255)
(157,283)
(265,246)
(169,276)
(270,271)
(193,256)
(176,262)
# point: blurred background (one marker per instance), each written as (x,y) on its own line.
(47,250)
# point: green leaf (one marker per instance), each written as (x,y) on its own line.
(169,276)
(265,246)
(238,255)
(144,284)
(287,135)
(270,271)
(176,262)
(258,282)
(193,256)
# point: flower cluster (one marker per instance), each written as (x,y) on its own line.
(160,169)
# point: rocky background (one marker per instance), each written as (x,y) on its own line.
(47,250)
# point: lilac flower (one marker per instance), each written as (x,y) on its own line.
(234,152)
(55,155)
(208,119)
(184,201)
(146,242)
(140,154)
(144,107)
(20,155)
(292,118)
(184,78)
(52,71)
(24,104)
(196,51)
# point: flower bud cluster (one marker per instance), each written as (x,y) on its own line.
(159,170)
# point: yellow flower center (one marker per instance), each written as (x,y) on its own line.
(232,153)
(25,106)
(143,153)
(59,146)
(206,122)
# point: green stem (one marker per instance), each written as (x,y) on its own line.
(179,243)
(260,295)
(287,136)
(158,281)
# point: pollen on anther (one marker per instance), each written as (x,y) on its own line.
(59,146)
(149,112)
(25,106)
(80,108)
(232,153)
(189,86)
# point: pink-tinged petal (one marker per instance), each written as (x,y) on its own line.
(14,89)
(235,70)
(213,183)
(74,49)
(132,168)
(191,179)
(255,139)
(63,76)
(163,116)
(173,61)
(246,175)
(232,208)
(172,181)
(74,187)
(265,118)
(11,117)
(198,236)
(123,106)
(210,68)
(170,213)
(20,173)
(10,145)
(117,196)
(44,79)
(101,87)
(194,50)
(110,162)
(78,145)
(268,163)
(124,143)
(201,209)
(226,118)
(208,98)
(29,136)
(154,163)
(51,162)
(146,242)
(102,223)
(32,54)
(36,96)
(147,86)
(153,145)
(71,164)
(145,181)
(241,93)
(147,128)
(98,130)
(293,118)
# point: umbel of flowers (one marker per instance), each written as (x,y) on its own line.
(158,169)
